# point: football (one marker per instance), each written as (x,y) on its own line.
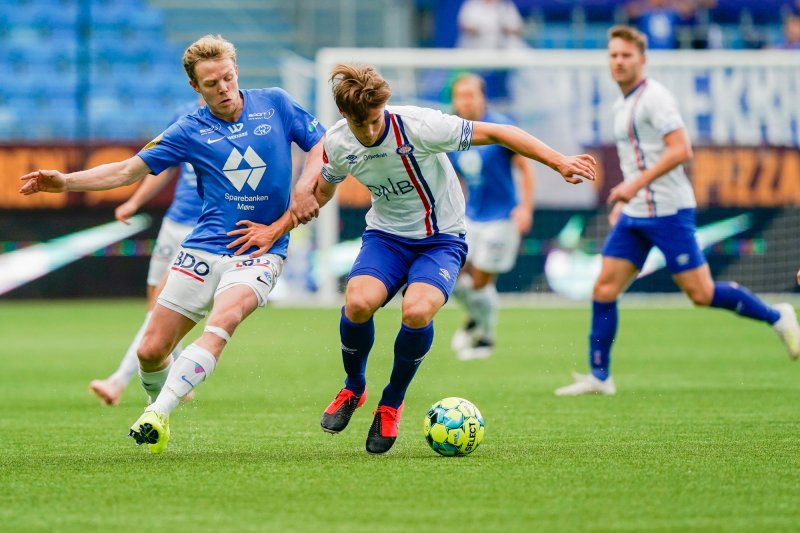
(453,426)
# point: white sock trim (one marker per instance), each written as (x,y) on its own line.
(219,332)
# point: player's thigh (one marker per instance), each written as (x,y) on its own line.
(383,258)
(675,236)
(628,241)
(191,283)
(259,275)
(169,239)
(439,265)
(493,246)
(232,306)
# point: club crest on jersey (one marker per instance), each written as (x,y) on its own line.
(405,149)
(262,129)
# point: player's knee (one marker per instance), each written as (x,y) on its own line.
(701,296)
(417,314)
(604,292)
(153,351)
(358,308)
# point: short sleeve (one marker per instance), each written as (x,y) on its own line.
(166,150)
(302,127)
(664,114)
(331,172)
(438,132)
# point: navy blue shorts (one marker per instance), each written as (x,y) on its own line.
(632,238)
(398,261)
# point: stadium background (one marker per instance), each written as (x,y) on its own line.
(92,81)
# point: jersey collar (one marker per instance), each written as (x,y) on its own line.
(636,87)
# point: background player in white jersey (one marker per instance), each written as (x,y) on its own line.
(179,220)
(240,148)
(497,216)
(415,228)
(654,206)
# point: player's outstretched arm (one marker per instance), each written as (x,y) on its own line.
(150,186)
(99,178)
(574,168)
(304,203)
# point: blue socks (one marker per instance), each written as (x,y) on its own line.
(410,348)
(732,296)
(357,341)
(604,329)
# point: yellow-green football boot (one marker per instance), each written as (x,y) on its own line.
(152,429)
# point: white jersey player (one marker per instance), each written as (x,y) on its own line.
(415,229)
(654,206)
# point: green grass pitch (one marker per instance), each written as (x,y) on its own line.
(703,435)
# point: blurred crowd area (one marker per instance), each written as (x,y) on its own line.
(582,24)
(100,70)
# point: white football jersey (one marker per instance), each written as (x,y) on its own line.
(641,120)
(415,191)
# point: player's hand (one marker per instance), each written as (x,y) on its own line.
(304,205)
(523,217)
(623,192)
(576,168)
(43,181)
(125,211)
(262,236)
(616,212)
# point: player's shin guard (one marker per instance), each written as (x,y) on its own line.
(193,367)
(604,330)
(410,348)
(357,341)
(153,382)
(741,301)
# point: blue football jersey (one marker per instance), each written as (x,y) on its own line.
(486,171)
(244,168)
(186,203)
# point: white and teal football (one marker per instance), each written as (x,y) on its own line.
(453,426)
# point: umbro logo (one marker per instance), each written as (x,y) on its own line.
(252,174)
(444,273)
(351,159)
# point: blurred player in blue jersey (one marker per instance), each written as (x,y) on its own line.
(655,206)
(240,148)
(497,217)
(179,220)
(415,229)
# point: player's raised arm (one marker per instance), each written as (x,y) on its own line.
(99,178)
(573,168)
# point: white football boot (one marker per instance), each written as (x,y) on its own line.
(788,329)
(587,384)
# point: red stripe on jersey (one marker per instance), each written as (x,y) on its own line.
(410,172)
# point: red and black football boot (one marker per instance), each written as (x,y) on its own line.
(337,415)
(383,431)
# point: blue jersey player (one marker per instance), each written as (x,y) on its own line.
(654,206)
(415,228)
(497,217)
(180,219)
(240,148)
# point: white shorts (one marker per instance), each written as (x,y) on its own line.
(169,239)
(196,277)
(493,246)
